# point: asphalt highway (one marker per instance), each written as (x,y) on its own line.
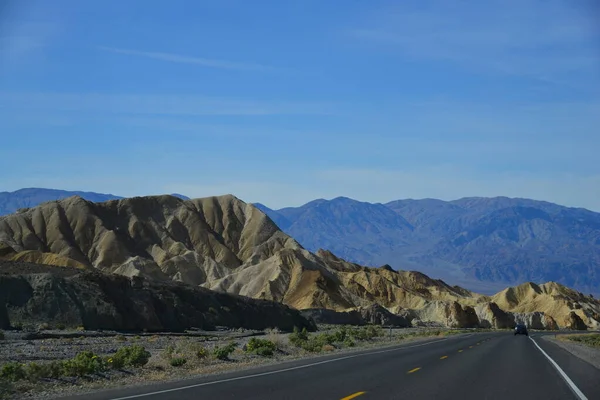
(477,366)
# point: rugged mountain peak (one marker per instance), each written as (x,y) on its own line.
(154,235)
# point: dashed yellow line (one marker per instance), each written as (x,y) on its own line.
(460,351)
(413,370)
(352,396)
(443,357)
(470,347)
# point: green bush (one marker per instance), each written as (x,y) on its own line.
(223,353)
(261,347)
(133,356)
(298,337)
(177,361)
(115,362)
(53,369)
(167,352)
(121,338)
(61,327)
(34,371)
(13,371)
(348,342)
(341,334)
(264,352)
(366,332)
(202,352)
(2,336)
(84,363)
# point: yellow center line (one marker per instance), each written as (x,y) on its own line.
(352,396)
(460,351)
(413,370)
(470,347)
(443,357)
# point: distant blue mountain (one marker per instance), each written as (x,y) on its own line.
(182,197)
(480,243)
(31,197)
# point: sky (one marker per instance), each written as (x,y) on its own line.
(282,102)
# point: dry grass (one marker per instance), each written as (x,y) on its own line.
(589,339)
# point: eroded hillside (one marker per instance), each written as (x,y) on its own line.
(224,244)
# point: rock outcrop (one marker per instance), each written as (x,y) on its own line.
(107,301)
(566,307)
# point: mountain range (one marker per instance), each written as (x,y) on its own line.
(31,197)
(481,243)
(226,245)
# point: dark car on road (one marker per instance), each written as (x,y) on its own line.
(521,329)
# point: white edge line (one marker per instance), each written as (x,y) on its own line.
(571,384)
(273,372)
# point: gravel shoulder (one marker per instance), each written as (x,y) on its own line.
(43,348)
(587,353)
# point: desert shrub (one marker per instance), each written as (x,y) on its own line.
(80,328)
(223,353)
(313,345)
(121,338)
(61,327)
(2,336)
(201,352)
(13,371)
(325,338)
(115,363)
(35,371)
(84,363)
(43,326)
(177,361)
(134,356)
(137,337)
(348,342)
(298,337)
(167,352)
(341,334)
(592,340)
(53,369)
(261,347)
(366,332)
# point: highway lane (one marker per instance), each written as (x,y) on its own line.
(478,366)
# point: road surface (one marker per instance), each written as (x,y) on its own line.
(476,366)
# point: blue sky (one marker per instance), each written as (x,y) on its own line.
(281,102)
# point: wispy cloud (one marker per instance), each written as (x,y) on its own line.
(546,40)
(155,104)
(204,62)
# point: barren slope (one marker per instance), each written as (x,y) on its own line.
(224,244)
(567,307)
